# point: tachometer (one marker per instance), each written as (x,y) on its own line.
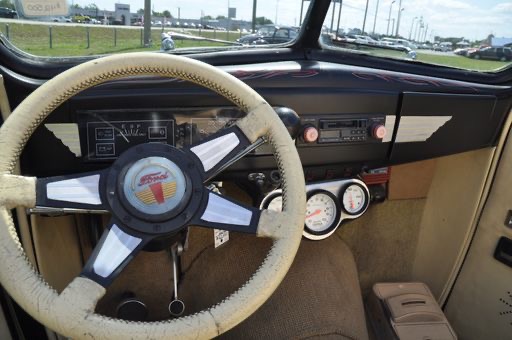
(355,199)
(322,212)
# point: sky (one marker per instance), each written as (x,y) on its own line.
(472,19)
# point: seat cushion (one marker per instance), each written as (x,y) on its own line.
(319,297)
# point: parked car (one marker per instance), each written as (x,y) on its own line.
(81,18)
(443,47)
(269,34)
(61,19)
(492,53)
(7,13)
(366,40)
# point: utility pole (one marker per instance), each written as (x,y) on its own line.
(277,8)
(301,10)
(420,24)
(365,12)
(415,30)
(389,17)
(254,5)
(400,9)
(412,25)
(339,17)
(375,18)
(332,18)
(147,23)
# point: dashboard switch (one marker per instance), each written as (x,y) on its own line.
(378,131)
(310,134)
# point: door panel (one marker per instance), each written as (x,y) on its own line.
(480,305)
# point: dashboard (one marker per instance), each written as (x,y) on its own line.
(344,119)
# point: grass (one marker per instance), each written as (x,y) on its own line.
(462,62)
(71,40)
(448,59)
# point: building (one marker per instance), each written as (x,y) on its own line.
(498,42)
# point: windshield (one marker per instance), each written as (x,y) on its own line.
(460,34)
(59,28)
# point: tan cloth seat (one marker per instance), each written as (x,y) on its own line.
(320,296)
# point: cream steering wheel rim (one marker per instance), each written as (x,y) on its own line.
(71,312)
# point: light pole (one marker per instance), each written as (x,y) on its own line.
(412,25)
(365,12)
(277,8)
(398,20)
(147,23)
(339,17)
(254,5)
(389,17)
(420,24)
(301,10)
(415,30)
(375,18)
(333,11)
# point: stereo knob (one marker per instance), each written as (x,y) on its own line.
(378,131)
(310,134)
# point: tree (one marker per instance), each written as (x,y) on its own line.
(488,41)
(140,11)
(167,14)
(263,21)
(220,17)
(207,17)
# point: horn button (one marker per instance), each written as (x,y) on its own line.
(154,188)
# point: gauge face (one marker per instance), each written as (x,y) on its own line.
(354,199)
(276,204)
(321,212)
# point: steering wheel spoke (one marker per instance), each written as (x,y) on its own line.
(78,193)
(220,150)
(116,248)
(221,212)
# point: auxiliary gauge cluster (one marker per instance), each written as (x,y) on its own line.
(328,204)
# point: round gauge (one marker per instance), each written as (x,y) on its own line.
(274,202)
(322,212)
(355,199)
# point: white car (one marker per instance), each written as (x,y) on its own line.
(61,19)
(364,39)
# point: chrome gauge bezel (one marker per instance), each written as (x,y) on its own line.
(366,199)
(335,187)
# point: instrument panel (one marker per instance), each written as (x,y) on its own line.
(328,204)
(104,136)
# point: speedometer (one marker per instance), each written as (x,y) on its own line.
(322,212)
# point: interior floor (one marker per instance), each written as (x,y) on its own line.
(384,241)
(324,283)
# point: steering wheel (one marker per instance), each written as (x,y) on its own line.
(152,191)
